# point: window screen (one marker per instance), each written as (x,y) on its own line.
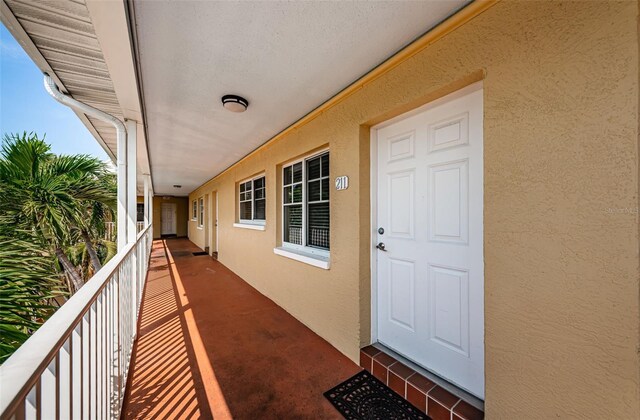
(318,202)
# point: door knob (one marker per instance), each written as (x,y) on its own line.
(381,246)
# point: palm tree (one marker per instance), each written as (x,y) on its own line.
(81,257)
(97,206)
(29,286)
(52,211)
(50,198)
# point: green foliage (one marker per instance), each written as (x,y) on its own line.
(29,286)
(50,207)
(43,192)
(79,255)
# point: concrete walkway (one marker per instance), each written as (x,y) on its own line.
(210,345)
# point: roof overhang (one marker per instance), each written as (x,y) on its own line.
(86,49)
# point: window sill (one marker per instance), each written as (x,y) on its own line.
(249,226)
(305,257)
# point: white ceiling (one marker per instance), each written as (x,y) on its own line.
(286,58)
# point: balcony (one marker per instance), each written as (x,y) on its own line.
(76,364)
(206,345)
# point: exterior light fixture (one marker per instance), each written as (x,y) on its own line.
(177,186)
(234,103)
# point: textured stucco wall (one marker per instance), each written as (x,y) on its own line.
(182,210)
(561,165)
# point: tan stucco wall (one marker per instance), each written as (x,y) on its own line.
(182,210)
(561,147)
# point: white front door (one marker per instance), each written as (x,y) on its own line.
(168,218)
(430,275)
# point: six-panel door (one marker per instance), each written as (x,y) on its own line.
(430,275)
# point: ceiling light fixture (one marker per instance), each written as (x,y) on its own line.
(234,103)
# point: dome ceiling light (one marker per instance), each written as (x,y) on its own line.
(234,103)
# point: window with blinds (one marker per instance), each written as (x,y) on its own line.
(292,202)
(306,203)
(252,200)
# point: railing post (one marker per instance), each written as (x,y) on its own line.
(132,180)
(151,195)
(121,225)
(132,212)
(146,200)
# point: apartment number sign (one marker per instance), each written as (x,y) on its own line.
(342,183)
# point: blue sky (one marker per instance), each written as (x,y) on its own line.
(26,106)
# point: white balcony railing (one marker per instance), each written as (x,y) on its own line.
(76,364)
(110,230)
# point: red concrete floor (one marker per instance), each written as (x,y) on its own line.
(210,345)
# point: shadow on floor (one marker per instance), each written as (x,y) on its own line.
(210,345)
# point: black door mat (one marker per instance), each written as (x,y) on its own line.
(365,397)
(200,253)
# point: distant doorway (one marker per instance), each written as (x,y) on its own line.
(168,219)
(212,238)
